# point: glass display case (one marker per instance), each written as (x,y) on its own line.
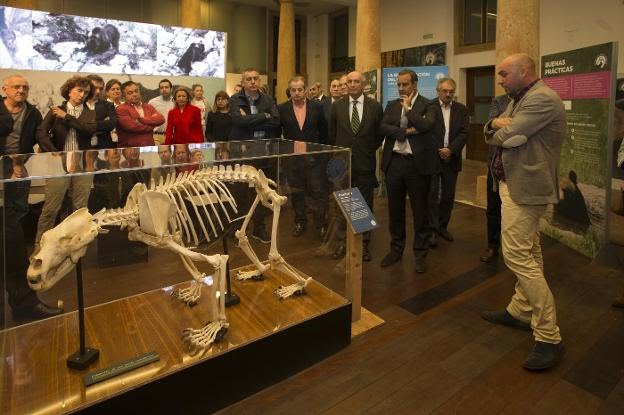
(152,243)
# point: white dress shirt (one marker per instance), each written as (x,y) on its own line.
(163,107)
(446,113)
(403,147)
(360,106)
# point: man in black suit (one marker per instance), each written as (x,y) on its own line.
(409,160)
(303,120)
(450,132)
(355,123)
(493,211)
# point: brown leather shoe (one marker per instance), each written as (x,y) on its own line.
(489,255)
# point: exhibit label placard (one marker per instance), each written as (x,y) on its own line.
(584,79)
(355,210)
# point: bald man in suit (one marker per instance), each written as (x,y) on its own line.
(355,123)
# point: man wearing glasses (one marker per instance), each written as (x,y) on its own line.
(450,132)
(18,125)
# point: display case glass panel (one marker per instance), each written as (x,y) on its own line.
(131,289)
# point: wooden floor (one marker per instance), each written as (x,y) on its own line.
(436,355)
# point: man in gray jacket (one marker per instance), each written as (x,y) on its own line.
(528,137)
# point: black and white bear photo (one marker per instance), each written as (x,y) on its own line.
(85,44)
(15,38)
(191,52)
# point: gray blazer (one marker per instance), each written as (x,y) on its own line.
(531,169)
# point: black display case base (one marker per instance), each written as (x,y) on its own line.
(227,378)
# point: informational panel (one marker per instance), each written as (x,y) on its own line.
(58,42)
(427,80)
(584,78)
(356,210)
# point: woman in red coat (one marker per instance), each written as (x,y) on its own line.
(184,120)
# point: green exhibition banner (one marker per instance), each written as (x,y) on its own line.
(584,79)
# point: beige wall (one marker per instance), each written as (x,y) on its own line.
(246,26)
(572,24)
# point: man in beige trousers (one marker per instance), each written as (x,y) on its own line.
(528,137)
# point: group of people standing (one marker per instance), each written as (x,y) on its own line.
(421,157)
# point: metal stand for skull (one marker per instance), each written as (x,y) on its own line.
(85,355)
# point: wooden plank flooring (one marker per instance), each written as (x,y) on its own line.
(435,355)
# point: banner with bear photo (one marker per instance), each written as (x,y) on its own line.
(584,79)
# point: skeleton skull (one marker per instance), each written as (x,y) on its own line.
(61,248)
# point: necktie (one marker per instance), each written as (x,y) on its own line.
(355,118)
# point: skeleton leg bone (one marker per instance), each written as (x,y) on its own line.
(245,246)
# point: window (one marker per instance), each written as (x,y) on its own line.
(339,42)
(476,20)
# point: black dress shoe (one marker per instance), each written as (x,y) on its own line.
(489,255)
(261,235)
(421,266)
(446,235)
(390,258)
(544,356)
(299,230)
(339,252)
(366,256)
(36,312)
(505,319)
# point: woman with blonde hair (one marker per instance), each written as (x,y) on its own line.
(184,120)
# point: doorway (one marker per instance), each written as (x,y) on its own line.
(479,94)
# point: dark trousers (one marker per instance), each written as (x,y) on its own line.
(13,245)
(366,185)
(306,176)
(493,214)
(403,179)
(442,197)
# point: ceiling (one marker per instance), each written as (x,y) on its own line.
(304,7)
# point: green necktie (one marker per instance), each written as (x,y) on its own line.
(355,118)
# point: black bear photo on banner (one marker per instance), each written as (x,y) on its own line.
(584,79)
(47,48)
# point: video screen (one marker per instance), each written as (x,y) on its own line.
(59,42)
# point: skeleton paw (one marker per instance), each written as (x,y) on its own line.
(254,275)
(296,289)
(199,340)
(189,295)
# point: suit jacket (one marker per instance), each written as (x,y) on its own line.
(52,132)
(184,126)
(134,131)
(531,170)
(106,119)
(422,117)
(243,127)
(459,128)
(314,127)
(365,143)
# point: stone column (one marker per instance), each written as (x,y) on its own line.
(517,30)
(22,4)
(367,45)
(285,49)
(190,13)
